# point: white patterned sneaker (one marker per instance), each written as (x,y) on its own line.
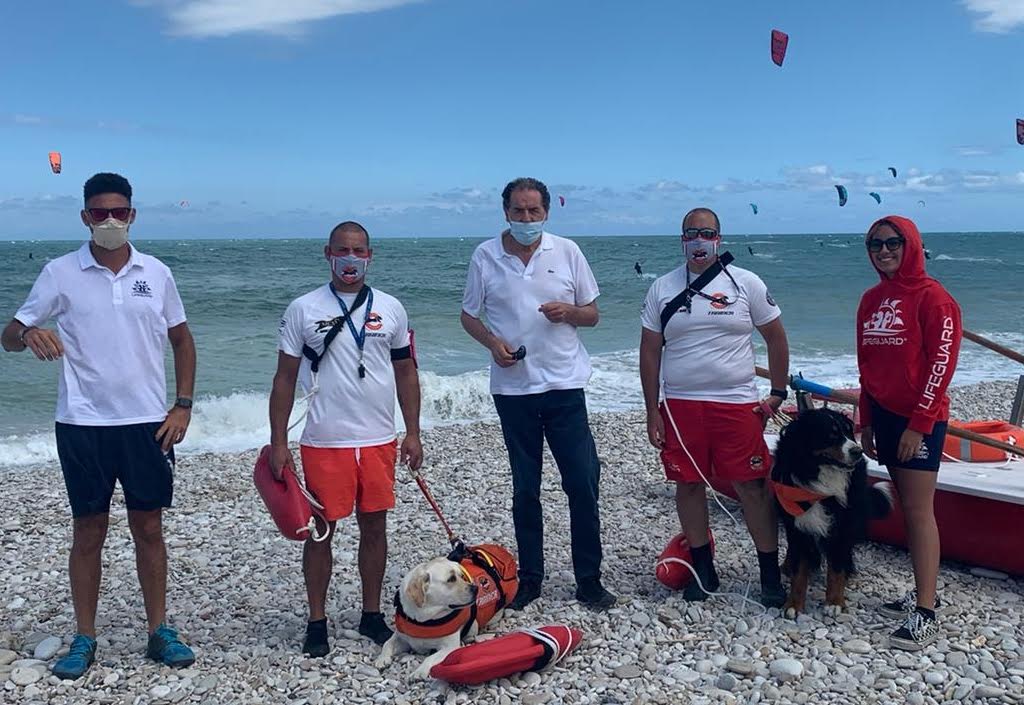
(917,631)
(898,609)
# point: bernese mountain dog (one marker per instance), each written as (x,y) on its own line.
(821,488)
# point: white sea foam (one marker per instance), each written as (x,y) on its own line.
(239,421)
(950,258)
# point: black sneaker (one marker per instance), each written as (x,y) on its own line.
(773,595)
(708,578)
(372,625)
(592,594)
(918,630)
(529,590)
(316,644)
(898,609)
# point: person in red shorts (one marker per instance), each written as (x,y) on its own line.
(349,443)
(705,356)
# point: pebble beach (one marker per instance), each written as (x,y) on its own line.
(236,595)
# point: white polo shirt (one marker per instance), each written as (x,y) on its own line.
(114,331)
(348,411)
(508,293)
(709,352)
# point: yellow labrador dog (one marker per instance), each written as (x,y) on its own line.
(435,610)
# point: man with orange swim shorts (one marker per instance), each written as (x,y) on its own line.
(349,445)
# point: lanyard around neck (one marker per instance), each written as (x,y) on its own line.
(360,337)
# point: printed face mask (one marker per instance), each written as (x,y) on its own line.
(110,234)
(700,251)
(526,233)
(350,269)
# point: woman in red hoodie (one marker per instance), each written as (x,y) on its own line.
(908,339)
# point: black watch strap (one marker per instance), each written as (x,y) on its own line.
(780,393)
(183,402)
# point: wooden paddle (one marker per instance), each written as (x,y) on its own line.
(992,345)
(849,398)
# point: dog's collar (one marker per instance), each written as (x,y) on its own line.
(458,620)
(796,501)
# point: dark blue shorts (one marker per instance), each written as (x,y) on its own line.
(888,427)
(93,458)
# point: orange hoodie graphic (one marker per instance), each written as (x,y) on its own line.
(908,339)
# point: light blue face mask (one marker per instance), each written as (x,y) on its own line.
(356,267)
(526,233)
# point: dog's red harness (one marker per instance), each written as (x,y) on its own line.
(795,500)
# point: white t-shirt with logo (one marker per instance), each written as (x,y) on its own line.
(347,411)
(508,293)
(709,352)
(114,331)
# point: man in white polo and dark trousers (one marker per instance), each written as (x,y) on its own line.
(348,445)
(535,289)
(114,308)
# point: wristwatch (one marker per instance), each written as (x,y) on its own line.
(183,402)
(780,393)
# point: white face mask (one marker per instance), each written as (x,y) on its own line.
(110,234)
(700,251)
(356,267)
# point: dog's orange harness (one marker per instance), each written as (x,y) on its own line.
(492,569)
(795,500)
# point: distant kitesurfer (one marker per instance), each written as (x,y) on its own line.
(638,269)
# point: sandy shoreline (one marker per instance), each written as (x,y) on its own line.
(237,596)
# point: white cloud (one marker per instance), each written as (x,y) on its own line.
(999,16)
(27,119)
(222,18)
(970,151)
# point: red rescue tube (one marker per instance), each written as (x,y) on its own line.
(288,506)
(504,655)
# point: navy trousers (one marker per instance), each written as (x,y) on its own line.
(561,417)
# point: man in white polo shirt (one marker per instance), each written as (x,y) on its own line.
(349,444)
(705,355)
(535,289)
(114,307)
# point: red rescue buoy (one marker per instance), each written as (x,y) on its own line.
(668,570)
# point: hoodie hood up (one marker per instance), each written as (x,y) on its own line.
(911,271)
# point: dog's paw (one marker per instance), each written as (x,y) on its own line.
(833,610)
(421,674)
(382,662)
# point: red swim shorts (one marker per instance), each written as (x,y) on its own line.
(725,439)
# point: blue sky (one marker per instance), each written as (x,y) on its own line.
(277,119)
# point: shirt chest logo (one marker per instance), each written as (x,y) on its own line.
(141,288)
(885,326)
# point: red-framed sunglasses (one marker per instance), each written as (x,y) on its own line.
(98,215)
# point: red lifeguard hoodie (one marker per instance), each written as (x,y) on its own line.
(908,339)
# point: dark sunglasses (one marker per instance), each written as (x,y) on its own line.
(892,244)
(703,233)
(98,215)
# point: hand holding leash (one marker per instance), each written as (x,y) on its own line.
(412,451)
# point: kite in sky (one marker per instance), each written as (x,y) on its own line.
(780,40)
(842,194)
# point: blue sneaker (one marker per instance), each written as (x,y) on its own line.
(165,646)
(78,659)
